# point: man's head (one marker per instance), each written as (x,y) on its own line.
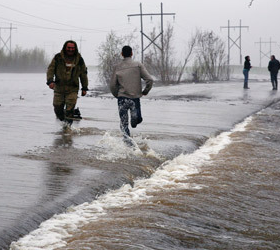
(272,57)
(126,51)
(70,48)
(247,58)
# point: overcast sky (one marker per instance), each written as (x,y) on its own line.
(49,23)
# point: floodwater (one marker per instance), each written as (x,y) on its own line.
(204,174)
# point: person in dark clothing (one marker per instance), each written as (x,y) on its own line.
(246,69)
(273,67)
(66,70)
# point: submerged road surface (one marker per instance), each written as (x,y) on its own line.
(45,169)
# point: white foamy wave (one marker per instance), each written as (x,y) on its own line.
(70,129)
(115,148)
(242,126)
(173,174)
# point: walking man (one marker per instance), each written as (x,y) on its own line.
(63,75)
(127,88)
(273,67)
(246,69)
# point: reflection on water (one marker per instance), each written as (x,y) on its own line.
(64,141)
(57,172)
(246,96)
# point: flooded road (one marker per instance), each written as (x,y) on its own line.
(44,170)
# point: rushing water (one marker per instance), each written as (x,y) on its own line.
(225,195)
(83,189)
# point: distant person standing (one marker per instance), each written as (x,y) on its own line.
(273,67)
(246,69)
(127,88)
(63,74)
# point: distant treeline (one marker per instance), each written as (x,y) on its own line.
(23,61)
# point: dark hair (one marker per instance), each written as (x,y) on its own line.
(126,51)
(246,58)
(273,57)
(70,41)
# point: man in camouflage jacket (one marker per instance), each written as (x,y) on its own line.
(63,75)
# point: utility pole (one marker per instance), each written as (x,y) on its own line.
(232,42)
(152,41)
(81,40)
(263,54)
(6,44)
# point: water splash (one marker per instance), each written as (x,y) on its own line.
(172,174)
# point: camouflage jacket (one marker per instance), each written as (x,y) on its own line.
(67,80)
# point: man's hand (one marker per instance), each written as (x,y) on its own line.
(145,92)
(84,92)
(51,85)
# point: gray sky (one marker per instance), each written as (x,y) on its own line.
(49,23)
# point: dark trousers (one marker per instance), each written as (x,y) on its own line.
(64,100)
(125,104)
(274,81)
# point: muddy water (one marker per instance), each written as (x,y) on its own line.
(46,170)
(231,201)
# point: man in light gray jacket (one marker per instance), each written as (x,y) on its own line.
(127,88)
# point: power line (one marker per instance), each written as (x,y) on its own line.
(24,24)
(232,42)
(152,41)
(37,26)
(8,40)
(263,54)
(47,20)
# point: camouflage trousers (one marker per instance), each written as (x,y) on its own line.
(65,101)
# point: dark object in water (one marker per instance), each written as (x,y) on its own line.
(77,114)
